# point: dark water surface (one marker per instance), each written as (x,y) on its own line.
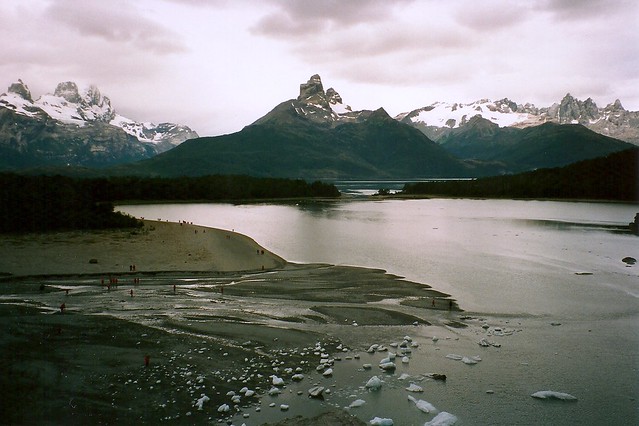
(523,265)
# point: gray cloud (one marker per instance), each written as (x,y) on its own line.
(295,18)
(115,22)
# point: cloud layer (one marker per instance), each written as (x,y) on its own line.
(219,65)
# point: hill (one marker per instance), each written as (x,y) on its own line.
(613,177)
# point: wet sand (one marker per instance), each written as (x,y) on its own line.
(205,313)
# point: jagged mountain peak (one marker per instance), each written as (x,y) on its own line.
(438,119)
(20,89)
(69,91)
(69,105)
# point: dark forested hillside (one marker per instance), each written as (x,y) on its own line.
(47,203)
(613,177)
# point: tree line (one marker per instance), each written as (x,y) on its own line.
(614,177)
(48,203)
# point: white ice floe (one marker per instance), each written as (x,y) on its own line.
(284,407)
(328,372)
(405,360)
(388,366)
(224,408)
(200,402)
(454,357)
(379,421)
(554,395)
(374,383)
(297,377)
(357,403)
(277,381)
(414,388)
(423,406)
(442,419)
(274,391)
(367,366)
(468,361)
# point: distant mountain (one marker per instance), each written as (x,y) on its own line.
(521,149)
(439,119)
(69,128)
(314,136)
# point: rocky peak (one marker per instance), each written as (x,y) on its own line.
(92,96)
(333,97)
(312,93)
(21,89)
(69,91)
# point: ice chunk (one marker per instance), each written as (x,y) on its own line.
(200,402)
(422,405)
(224,408)
(468,361)
(454,357)
(442,419)
(554,395)
(378,421)
(277,381)
(388,366)
(414,388)
(357,403)
(374,383)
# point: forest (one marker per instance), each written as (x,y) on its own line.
(49,203)
(611,178)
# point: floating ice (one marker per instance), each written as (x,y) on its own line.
(297,377)
(454,357)
(554,395)
(274,391)
(468,361)
(422,405)
(367,366)
(414,388)
(328,372)
(405,360)
(200,402)
(284,407)
(357,403)
(378,421)
(316,392)
(387,366)
(372,348)
(442,419)
(374,383)
(277,381)
(224,408)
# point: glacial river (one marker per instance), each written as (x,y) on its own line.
(534,263)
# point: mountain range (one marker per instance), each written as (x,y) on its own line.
(312,136)
(317,136)
(441,118)
(73,128)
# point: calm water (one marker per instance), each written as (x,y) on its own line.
(518,264)
(507,257)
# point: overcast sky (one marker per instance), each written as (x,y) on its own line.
(218,65)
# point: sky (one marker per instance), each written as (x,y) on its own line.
(219,65)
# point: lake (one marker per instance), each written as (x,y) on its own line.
(530,263)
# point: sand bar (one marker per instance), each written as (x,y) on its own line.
(158,246)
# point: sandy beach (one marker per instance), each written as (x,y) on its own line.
(196,314)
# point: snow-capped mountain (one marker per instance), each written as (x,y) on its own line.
(316,105)
(436,120)
(67,105)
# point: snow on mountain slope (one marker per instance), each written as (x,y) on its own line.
(68,106)
(439,118)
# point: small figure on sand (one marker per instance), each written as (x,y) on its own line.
(433,302)
(147,360)
(131,292)
(450,305)
(62,308)
(174,288)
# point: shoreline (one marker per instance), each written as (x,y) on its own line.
(158,246)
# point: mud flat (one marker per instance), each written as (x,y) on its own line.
(183,324)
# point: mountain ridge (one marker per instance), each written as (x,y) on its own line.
(440,118)
(69,127)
